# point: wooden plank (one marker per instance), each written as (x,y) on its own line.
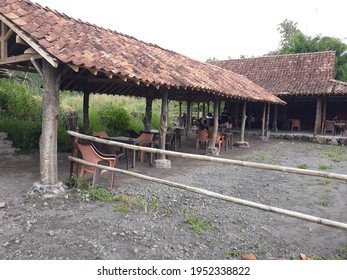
(18,58)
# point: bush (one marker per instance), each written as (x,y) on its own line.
(115,119)
(25,134)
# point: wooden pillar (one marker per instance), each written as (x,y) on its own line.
(147,120)
(216,105)
(324,110)
(237,110)
(49,135)
(180,109)
(274,126)
(198,111)
(318,121)
(243,123)
(189,116)
(204,110)
(263,121)
(163,121)
(267,127)
(86,95)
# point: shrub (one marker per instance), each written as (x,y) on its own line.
(115,118)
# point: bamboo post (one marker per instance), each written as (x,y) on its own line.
(73,127)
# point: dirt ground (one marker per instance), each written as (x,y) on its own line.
(152,221)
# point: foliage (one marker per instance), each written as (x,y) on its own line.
(302,166)
(294,41)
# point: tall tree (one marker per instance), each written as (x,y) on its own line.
(294,41)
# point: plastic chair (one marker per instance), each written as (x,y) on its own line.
(132,133)
(101,134)
(296,124)
(146,137)
(329,127)
(219,139)
(110,151)
(89,154)
(202,136)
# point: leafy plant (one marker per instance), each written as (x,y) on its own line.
(232,253)
(324,167)
(100,193)
(324,182)
(196,222)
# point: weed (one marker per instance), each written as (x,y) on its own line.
(324,182)
(100,193)
(323,201)
(324,167)
(231,253)
(154,205)
(196,222)
(337,153)
(125,203)
(302,166)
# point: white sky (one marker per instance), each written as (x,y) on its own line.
(202,29)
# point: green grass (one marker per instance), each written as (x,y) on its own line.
(231,253)
(302,166)
(336,153)
(324,182)
(326,202)
(197,222)
(324,167)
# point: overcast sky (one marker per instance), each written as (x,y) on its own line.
(203,29)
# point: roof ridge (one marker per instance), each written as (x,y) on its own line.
(276,56)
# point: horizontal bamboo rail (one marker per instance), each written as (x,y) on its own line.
(215,159)
(235,200)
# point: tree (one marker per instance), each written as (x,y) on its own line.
(294,41)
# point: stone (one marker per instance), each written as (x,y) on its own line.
(248,256)
(242,144)
(162,163)
(47,191)
(212,151)
(2,204)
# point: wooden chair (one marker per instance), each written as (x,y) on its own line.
(89,154)
(202,136)
(296,124)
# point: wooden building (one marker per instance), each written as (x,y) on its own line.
(305,81)
(74,55)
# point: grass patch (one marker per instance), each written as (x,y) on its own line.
(197,222)
(324,182)
(302,166)
(231,253)
(326,202)
(337,153)
(126,203)
(324,167)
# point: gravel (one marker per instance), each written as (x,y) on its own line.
(155,225)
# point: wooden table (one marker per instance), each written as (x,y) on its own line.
(134,141)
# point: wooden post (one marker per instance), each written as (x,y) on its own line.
(268,117)
(324,114)
(180,109)
(263,121)
(86,95)
(74,152)
(163,122)
(274,127)
(48,138)
(216,104)
(147,120)
(237,110)
(189,116)
(243,123)
(318,121)
(204,110)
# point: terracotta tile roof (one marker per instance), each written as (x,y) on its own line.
(82,44)
(298,74)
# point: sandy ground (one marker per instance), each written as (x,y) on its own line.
(159,225)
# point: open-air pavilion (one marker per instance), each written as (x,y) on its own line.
(74,55)
(305,81)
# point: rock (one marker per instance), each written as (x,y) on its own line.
(162,163)
(2,204)
(248,256)
(51,232)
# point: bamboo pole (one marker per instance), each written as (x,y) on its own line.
(316,173)
(215,195)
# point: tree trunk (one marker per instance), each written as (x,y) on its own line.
(243,124)
(274,128)
(48,139)
(163,122)
(237,109)
(188,116)
(263,121)
(268,117)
